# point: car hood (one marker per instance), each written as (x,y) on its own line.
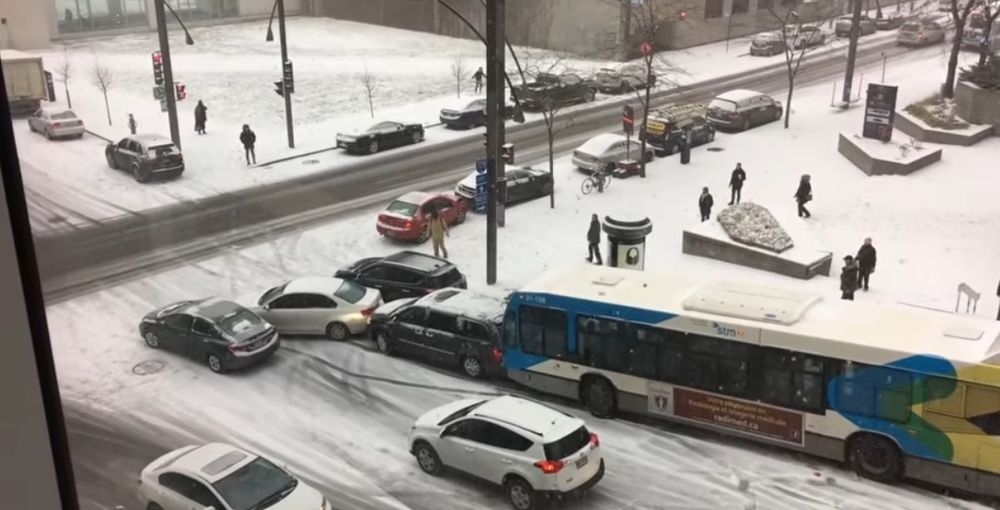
(389,308)
(303,497)
(431,418)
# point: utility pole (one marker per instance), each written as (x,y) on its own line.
(852,51)
(168,72)
(495,74)
(284,63)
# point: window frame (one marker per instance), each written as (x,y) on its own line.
(527,310)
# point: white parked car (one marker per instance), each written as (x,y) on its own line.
(319,305)
(605,151)
(56,123)
(222,477)
(533,451)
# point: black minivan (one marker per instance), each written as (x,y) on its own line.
(450,327)
(403,274)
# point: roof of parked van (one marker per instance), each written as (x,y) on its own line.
(739,95)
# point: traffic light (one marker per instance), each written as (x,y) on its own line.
(507,153)
(287,77)
(157,68)
(279,88)
(684,15)
(181,91)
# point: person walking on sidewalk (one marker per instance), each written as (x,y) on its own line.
(594,240)
(705,204)
(736,183)
(848,278)
(132,126)
(439,230)
(200,117)
(248,138)
(803,195)
(479,78)
(866,263)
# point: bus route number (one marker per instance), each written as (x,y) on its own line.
(533,298)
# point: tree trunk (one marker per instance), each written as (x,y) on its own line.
(69,102)
(878,9)
(984,50)
(788,100)
(624,29)
(552,194)
(107,108)
(645,118)
(948,89)
(371,105)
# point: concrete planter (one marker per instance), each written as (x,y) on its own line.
(978,106)
(875,158)
(695,243)
(918,129)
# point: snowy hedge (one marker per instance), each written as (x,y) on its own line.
(752,224)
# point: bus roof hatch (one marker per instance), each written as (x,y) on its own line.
(751,302)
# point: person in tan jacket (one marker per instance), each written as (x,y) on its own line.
(439,230)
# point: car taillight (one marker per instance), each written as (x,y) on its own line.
(549,467)
(497,355)
(367,312)
(920,35)
(56,124)
(234,348)
(595,440)
(408,224)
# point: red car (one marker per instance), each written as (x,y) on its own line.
(408,216)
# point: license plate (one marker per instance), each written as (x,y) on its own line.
(581,462)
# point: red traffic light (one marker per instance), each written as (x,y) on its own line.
(181,91)
(157,58)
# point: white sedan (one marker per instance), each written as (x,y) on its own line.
(56,123)
(319,305)
(222,477)
(605,151)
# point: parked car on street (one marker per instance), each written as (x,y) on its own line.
(452,327)
(220,333)
(408,217)
(404,274)
(557,90)
(381,136)
(56,123)
(319,305)
(624,79)
(223,477)
(145,157)
(605,151)
(891,22)
(665,131)
(973,39)
(767,44)
(844,23)
(742,109)
(530,449)
(920,33)
(469,114)
(807,36)
(522,184)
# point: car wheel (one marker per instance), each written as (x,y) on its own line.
(461,217)
(48,134)
(427,458)
(111,161)
(672,149)
(520,494)
(746,124)
(472,367)
(591,95)
(778,113)
(373,147)
(711,136)
(383,344)
(151,339)
(599,397)
(417,136)
(215,364)
(649,156)
(623,88)
(425,234)
(138,174)
(337,331)
(153,506)
(547,189)
(875,457)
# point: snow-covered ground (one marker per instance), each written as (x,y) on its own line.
(338,413)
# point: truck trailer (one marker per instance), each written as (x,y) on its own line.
(24,77)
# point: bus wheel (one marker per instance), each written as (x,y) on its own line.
(599,397)
(875,457)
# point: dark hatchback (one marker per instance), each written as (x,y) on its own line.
(450,327)
(145,157)
(404,274)
(472,114)
(220,333)
(384,135)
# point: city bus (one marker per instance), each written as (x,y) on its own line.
(891,390)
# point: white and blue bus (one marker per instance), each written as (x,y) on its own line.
(894,391)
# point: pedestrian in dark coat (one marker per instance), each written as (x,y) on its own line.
(705,203)
(849,278)
(479,78)
(132,125)
(200,117)
(594,240)
(803,195)
(248,138)
(736,183)
(866,263)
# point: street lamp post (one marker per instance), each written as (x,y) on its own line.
(279,5)
(168,71)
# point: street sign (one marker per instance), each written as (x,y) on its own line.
(880,111)
(628,119)
(163,105)
(158,92)
(287,77)
(481,166)
(482,186)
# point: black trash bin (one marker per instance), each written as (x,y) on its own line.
(686,148)
(627,242)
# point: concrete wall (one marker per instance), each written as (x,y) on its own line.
(29,24)
(977,105)
(871,165)
(734,253)
(915,127)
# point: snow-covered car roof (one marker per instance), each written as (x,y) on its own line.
(213,461)
(600,143)
(415,197)
(152,139)
(325,285)
(739,95)
(470,179)
(465,302)
(543,421)
(767,36)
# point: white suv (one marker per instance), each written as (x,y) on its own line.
(530,449)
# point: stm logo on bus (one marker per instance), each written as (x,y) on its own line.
(726,331)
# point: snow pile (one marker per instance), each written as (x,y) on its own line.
(753,224)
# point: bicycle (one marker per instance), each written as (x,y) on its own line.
(599,180)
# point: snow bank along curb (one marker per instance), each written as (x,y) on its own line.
(872,164)
(921,131)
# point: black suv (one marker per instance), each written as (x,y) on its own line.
(145,157)
(404,274)
(453,327)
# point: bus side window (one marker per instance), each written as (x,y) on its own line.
(543,332)
(510,330)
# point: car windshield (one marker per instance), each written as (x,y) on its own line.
(910,27)
(461,412)
(237,322)
(723,105)
(64,116)
(403,208)
(381,126)
(351,292)
(257,485)
(173,307)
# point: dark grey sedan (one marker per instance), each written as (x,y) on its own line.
(220,333)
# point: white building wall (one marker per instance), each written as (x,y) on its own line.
(30,24)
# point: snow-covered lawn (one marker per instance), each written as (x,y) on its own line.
(338,413)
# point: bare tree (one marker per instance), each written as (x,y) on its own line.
(103,78)
(458,72)
(370,82)
(797,39)
(64,72)
(990,12)
(548,107)
(960,15)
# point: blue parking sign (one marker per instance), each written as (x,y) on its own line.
(481,166)
(482,191)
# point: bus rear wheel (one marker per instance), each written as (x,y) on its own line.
(875,457)
(599,397)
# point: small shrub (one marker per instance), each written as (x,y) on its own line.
(983,76)
(937,113)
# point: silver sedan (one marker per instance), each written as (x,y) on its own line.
(319,305)
(56,123)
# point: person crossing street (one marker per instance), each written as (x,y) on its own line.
(736,183)
(248,138)
(594,240)
(705,204)
(478,76)
(866,263)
